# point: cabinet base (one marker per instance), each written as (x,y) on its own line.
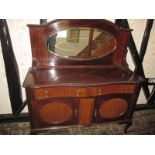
(43,131)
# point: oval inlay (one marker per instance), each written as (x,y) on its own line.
(113,108)
(56,112)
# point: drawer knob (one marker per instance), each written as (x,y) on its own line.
(46,93)
(78,93)
(99,91)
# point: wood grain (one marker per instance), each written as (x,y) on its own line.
(113,108)
(86,107)
(56,112)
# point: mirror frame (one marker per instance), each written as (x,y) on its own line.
(77,59)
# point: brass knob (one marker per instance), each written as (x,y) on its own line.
(46,93)
(99,91)
(78,93)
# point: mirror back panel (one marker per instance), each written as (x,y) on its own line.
(78,42)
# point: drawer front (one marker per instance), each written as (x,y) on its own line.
(111,89)
(44,93)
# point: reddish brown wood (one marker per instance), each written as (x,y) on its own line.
(56,112)
(86,107)
(82,77)
(40,33)
(90,43)
(113,108)
(47,92)
(65,92)
(104,50)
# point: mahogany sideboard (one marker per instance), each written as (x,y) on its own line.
(79,75)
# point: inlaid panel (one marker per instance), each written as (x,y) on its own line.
(56,112)
(113,108)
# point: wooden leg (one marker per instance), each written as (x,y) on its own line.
(33,132)
(127,126)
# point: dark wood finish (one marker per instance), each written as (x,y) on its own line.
(151,99)
(9,118)
(64,92)
(11,68)
(136,58)
(40,33)
(145,39)
(143,48)
(144,106)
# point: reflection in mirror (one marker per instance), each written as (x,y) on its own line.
(81,43)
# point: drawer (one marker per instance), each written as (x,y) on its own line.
(44,93)
(111,89)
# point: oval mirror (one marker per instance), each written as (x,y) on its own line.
(81,43)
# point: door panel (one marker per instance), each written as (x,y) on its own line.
(56,111)
(112,107)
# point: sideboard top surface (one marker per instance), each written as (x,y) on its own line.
(80,77)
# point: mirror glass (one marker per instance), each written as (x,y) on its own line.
(81,43)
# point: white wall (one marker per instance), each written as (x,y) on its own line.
(138,27)
(21,45)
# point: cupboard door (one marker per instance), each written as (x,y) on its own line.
(57,112)
(110,108)
(113,108)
